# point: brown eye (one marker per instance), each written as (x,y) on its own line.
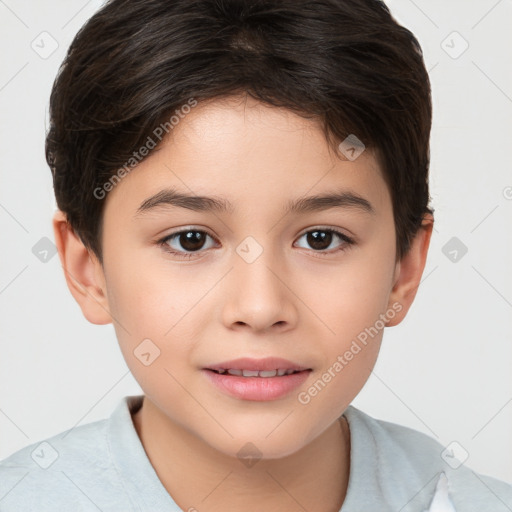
(321,239)
(191,240)
(185,242)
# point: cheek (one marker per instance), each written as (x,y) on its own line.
(150,297)
(351,300)
(151,310)
(350,296)
(351,306)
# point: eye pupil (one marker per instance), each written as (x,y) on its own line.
(189,240)
(317,239)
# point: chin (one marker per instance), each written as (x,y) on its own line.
(247,447)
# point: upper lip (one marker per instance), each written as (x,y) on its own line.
(268,363)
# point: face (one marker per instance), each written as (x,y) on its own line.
(204,286)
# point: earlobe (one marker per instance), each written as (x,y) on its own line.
(82,271)
(409,271)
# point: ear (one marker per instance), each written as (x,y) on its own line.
(83,272)
(409,270)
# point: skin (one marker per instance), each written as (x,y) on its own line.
(291,302)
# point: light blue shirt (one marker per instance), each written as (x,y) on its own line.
(103,466)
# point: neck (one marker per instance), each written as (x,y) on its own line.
(198,477)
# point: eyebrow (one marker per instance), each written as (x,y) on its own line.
(173,197)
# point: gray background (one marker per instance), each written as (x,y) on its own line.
(444,371)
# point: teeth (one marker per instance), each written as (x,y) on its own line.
(255,373)
(250,373)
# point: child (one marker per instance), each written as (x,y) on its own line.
(243,304)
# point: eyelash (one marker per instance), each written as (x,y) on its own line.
(188,255)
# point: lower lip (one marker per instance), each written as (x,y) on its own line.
(257,388)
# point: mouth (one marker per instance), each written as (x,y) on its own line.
(249,367)
(257,380)
(255,373)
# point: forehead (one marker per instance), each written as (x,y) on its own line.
(248,153)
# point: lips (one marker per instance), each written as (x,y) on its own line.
(265,379)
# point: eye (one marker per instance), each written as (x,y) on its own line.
(184,243)
(321,238)
(192,240)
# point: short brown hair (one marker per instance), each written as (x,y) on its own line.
(346,63)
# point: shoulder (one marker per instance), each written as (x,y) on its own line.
(411,463)
(69,471)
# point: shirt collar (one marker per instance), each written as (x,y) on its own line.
(131,461)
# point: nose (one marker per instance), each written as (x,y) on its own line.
(259,295)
